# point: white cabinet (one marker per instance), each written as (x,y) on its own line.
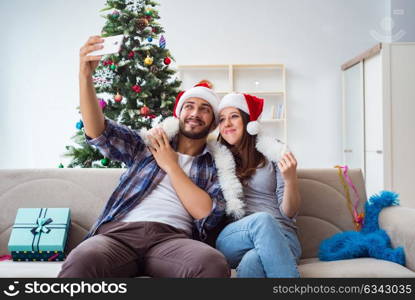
(374,106)
(353,138)
(378,118)
(266,81)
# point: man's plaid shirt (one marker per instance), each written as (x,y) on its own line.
(118,142)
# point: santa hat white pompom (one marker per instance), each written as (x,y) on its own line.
(253,127)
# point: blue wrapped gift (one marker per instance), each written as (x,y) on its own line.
(40,234)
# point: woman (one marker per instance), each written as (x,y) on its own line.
(264,242)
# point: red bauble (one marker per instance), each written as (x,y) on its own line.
(107,62)
(131,54)
(167,60)
(144,110)
(152,116)
(118,98)
(154,29)
(136,88)
(148,18)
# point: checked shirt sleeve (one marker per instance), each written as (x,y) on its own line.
(118,142)
(217,213)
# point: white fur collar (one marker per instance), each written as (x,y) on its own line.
(170,126)
(225,165)
(270,147)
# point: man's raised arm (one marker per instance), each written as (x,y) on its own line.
(92,115)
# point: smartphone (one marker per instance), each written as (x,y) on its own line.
(112,44)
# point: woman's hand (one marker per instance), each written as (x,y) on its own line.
(288,167)
(163,153)
(292,199)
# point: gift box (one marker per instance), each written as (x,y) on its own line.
(40,234)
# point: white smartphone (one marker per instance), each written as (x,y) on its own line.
(112,44)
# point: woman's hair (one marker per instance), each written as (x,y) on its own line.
(247,157)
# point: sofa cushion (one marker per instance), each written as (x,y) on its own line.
(9,268)
(312,267)
(359,267)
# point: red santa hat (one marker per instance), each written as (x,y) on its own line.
(201,90)
(249,104)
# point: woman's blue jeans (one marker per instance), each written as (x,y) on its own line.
(258,246)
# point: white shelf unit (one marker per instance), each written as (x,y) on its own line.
(267,81)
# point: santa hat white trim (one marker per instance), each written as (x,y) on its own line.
(234,100)
(200,92)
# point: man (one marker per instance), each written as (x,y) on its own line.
(168,192)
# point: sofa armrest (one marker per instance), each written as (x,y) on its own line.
(399,223)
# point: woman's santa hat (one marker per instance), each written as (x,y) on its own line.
(271,147)
(201,90)
(249,104)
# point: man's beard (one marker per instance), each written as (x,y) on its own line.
(194,136)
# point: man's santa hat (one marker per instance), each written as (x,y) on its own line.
(249,104)
(201,90)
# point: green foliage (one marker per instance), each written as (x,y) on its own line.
(120,72)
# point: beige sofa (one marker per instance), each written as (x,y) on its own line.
(85,191)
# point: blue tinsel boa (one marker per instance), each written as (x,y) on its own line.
(371,241)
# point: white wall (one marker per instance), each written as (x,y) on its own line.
(38,78)
(403,16)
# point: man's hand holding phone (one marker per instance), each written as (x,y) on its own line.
(88,63)
(95,48)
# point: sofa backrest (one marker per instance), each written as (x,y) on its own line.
(85,191)
(324,210)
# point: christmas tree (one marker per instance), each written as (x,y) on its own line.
(135,87)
